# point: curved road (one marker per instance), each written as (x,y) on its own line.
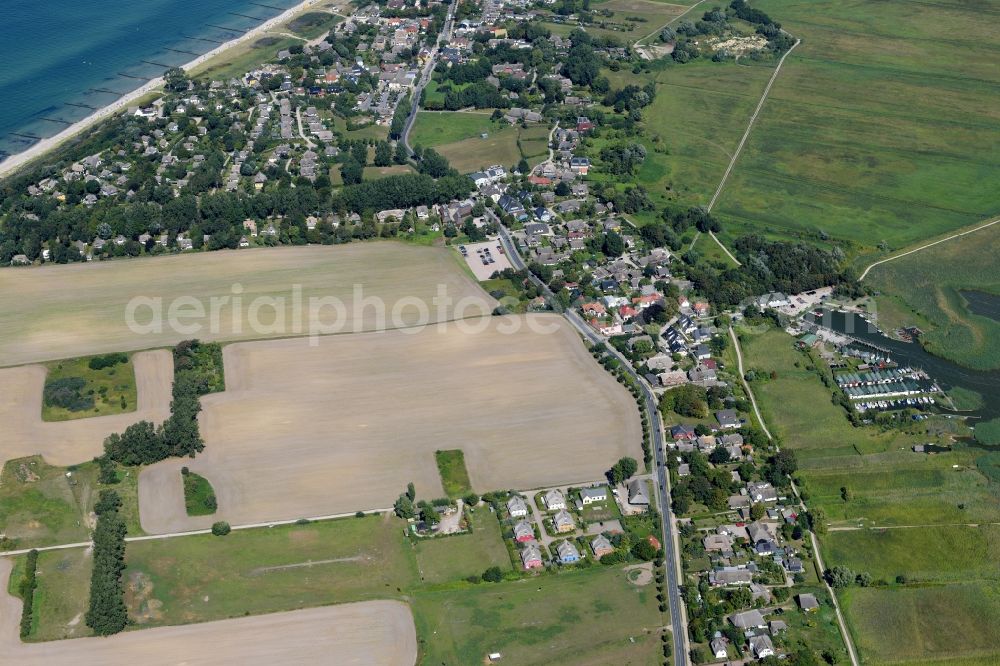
(678,618)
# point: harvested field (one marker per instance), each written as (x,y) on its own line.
(75,310)
(347,423)
(71,442)
(360,633)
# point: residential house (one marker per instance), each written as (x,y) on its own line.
(563,522)
(601,546)
(718,646)
(682,432)
(762,646)
(751,619)
(517,507)
(730,576)
(591,495)
(762,492)
(554,500)
(720,543)
(567,553)
(531,557)
(808,602)
(580,165)
(637,493)
(728,419)
(523,531)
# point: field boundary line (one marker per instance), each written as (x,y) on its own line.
(924,247)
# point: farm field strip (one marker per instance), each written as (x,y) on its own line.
(379,631)
(75,310)
(295,415)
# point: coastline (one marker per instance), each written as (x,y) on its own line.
(39,149)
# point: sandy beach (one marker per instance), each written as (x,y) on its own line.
(37,150)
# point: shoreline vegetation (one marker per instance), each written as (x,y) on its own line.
(46,145)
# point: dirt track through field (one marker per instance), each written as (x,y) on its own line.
(343,426)
(54,312)
(72,442)
(369,632)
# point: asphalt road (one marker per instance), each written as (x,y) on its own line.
(672,562)
(425,76)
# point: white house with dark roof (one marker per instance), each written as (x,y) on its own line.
(591,495)
(517,507)
(554,500)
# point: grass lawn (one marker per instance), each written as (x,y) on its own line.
(199,498)
(508,293)
(60,603)
(457,136)
(202,578)
(921,624)
(631,19)
(817,630)
(237,61)
(691,128)
(880,128)
(937,553)
(454,558)
(41,506)
(589,614)
(923,289)
(374,172)
(454,476)
(99,392)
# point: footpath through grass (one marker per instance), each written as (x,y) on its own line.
(89,386)
(880,128)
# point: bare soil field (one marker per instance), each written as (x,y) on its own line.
(307,431)
(369,632)
(72,442)
(55,312)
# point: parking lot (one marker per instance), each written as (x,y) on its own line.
(485,258)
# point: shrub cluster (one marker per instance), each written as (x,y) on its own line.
(65,393)
(107,361)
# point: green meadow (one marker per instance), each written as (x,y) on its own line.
(588,615)
(881,127)
(458,136)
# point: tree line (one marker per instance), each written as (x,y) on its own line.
(106,611)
